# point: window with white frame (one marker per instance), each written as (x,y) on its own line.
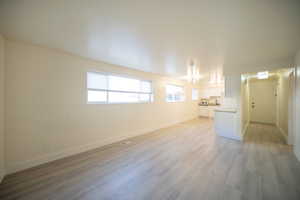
(174,93)
(105,88)
(195,94)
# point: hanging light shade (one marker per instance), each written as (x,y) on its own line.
(193,74)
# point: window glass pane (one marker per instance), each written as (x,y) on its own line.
(123,84)
(174,93)
(96,96)
(170,98)
(114,89)
(194,94)
(122,97)
(145,97)
(96,81)
(146,86)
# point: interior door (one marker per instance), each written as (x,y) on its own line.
(263,101)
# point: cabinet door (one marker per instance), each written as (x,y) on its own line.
(227,82)
(232,85)
(203,112)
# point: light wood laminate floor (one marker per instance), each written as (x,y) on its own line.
(186,161)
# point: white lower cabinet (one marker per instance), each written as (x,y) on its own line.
(207,111)
(203,112)
(225,124)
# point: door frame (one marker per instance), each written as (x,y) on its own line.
(292,108)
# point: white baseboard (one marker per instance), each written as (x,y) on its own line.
(231,137)
(245,129)
(283,133)
(297,154)
(19,166)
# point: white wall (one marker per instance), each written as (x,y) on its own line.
(2,169)
(47,115)
(231,69)
(297,139)
(283,104)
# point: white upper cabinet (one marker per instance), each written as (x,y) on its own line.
(228,86)
(211,91)
(232,85)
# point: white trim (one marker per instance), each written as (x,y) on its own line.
(118,91)
(231,137)
(292,108)
(18,166)
(297,153)
(245,129)
(283,133)
(297,107)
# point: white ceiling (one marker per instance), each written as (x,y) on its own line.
(160,35)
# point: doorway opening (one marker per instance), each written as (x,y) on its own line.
(268,105)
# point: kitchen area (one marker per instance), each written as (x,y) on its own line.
(218,102)
(210,99)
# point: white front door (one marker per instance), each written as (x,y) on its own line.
(263,101)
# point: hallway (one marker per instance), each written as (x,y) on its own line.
(185,161)
(258,133)
(271,162)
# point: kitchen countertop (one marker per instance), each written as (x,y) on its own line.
(231,110)
(209,105)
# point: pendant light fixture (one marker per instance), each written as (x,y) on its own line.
(193,74)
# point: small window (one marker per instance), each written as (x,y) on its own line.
(174,93)
(104,88)
(195,94)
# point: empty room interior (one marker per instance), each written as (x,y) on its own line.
(149,100)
